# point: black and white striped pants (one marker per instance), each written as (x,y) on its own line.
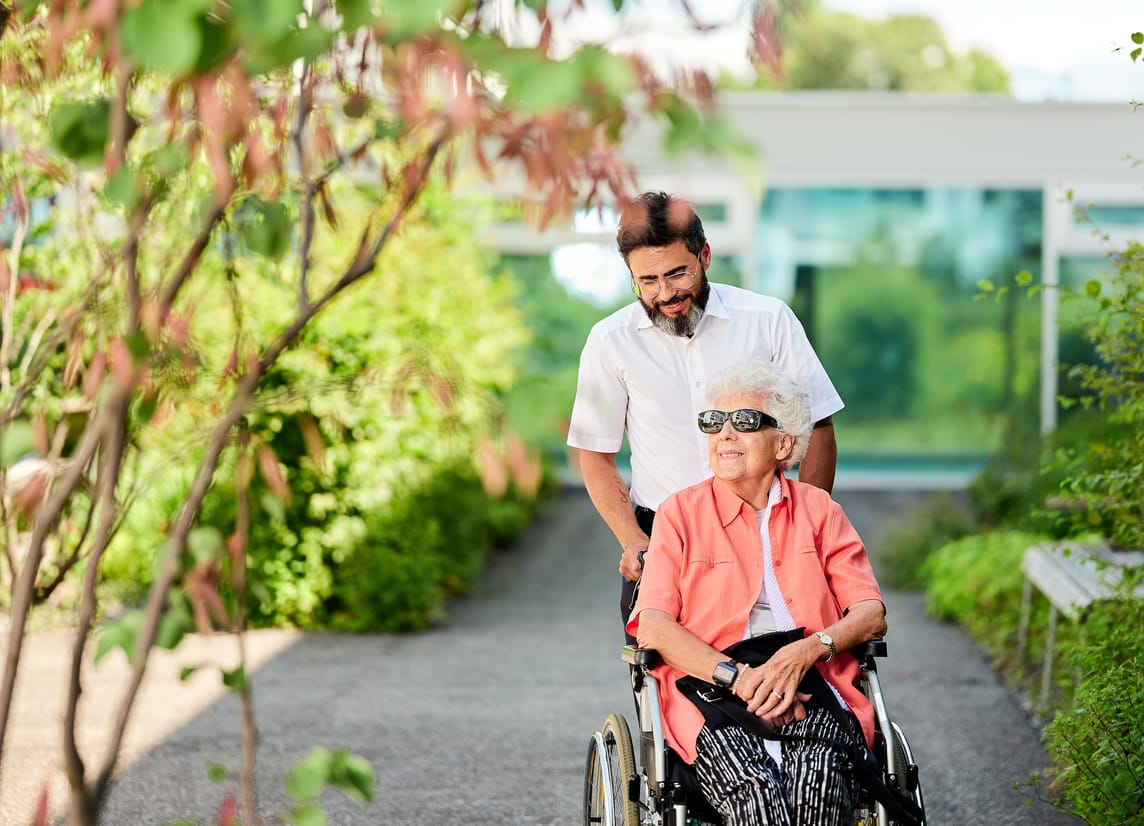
(816,785)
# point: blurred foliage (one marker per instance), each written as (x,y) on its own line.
(369,429)
(977,581)
(828,49)
(1103,486)
(1095,742)
(1085,483)
(540,402)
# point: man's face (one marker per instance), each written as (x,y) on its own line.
(676,311)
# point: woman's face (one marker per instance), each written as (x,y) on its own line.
(746,457)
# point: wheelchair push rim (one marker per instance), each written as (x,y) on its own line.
(610,765)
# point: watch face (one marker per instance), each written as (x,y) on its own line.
(725,674)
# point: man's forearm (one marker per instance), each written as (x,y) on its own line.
(609,493)
(818,466)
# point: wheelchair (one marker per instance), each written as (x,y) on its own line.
(661,790)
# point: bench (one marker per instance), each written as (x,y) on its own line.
(1072,577)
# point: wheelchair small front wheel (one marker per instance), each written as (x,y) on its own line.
(611,762)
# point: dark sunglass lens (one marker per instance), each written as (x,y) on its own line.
(711,421)
(746,421)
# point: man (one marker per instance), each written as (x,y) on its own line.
(644,369)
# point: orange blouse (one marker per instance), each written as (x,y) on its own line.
(704,567)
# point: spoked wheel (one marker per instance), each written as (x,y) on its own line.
(904,756)
(618,738)
(611,761)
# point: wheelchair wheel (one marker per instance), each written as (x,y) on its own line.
(611,762)
(904,756)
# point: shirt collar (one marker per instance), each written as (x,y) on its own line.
(729,505)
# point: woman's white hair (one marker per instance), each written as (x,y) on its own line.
(784,400)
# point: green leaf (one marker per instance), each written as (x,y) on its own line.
(262,22)
(264,227)
(216,45)
(308,776)
(353,774)
(80,130)
(120,632)
(188,671)
(162,36)
(217,772)
(1138,37)
(235,680)
(205,544)
(355,14)
(1024,278)
(384,129)
(1092,288)
(16,440)
(1135,54)
(306,814)
(985,285)
(406,19)
(122,188)
(298,44)
(174,624)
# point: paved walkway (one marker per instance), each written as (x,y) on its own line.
(485,720)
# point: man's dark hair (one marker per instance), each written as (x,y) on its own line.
(656,219)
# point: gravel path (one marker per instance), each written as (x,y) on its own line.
(485,720)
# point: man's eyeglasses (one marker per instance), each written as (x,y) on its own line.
(648,286)
(745,420)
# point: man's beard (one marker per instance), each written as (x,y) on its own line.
(682,325)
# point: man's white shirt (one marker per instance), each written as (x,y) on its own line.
(637,378)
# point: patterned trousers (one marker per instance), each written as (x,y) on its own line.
(816,785)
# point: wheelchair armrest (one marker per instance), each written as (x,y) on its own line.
(870,648)
(643,657)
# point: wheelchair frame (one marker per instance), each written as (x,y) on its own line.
(618,791)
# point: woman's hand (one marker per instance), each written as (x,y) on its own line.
(771,689)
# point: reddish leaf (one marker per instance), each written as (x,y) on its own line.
(272,473)
(328,213)
(73,364)
(20,202)
(228,811)
(201,584)
(490,468)
(765,38)
(122,365)
(312,436)
(93,376)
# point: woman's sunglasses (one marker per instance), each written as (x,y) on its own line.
(745,420)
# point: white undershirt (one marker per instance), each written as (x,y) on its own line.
(770,612)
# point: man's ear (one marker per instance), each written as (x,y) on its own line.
(705,256)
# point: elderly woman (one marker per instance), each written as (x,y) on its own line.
(751,554)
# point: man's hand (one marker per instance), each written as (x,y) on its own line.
(630,565)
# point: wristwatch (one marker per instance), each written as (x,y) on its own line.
(828,641)
(725,673)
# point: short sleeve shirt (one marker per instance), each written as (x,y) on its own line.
(704,567)
(638,379)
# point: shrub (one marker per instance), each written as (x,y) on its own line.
(1097,743)
(977,582)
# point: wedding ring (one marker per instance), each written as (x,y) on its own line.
(778,694)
